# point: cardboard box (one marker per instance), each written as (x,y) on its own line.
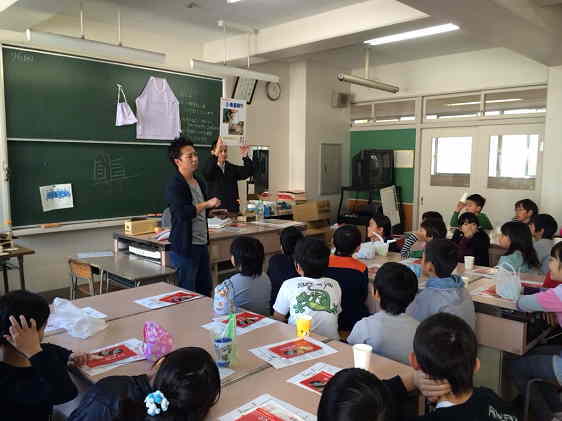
(144,226)
(313,210)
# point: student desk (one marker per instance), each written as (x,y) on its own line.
(130,269)
(219,240)
(184,322)
(119,304)
(6,255)
(274,382)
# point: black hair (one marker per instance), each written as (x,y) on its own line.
(355,394)
(22,303)
(546,222)
(397,286)
(431,215)
(446,349)
(443,254)
(521,240)
(528,205)
(556,251)
(434,228)
(174,149)
(346,240)
(468,218)
(478,199)
(312,255)
(248,255)
(383,221)
(189,379)
(289,237)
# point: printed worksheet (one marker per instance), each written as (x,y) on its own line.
(268,408)
(112,356)
(245,322)
(168,299)
(294,351)
(315,378)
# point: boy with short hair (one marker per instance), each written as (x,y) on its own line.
(352,276)
(543,227)
(474,204)
(311,293)
(391,331)
(444,292)
(445,348)
(525,209)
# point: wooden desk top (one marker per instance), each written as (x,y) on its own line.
(133,268)
(274,382)
(249,228)
(184,322)
(19,251)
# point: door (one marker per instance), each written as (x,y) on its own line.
(502,163)
(330,167)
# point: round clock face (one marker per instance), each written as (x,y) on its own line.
(273,90)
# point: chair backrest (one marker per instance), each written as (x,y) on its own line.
(80,269)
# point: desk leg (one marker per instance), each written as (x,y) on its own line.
(215,274)
(6,283)
(22,277)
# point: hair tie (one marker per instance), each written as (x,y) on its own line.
(155,403)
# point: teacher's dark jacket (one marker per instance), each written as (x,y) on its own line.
(180,201)
(224,185)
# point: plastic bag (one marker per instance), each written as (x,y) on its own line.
(124,115)
(508,282)
(224,337)
(157,341)
(223,301)
(367,250)
(75,320)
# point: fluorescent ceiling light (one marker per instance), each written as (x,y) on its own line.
(98,48)
(223,70)
(418,33)
(232,1)
(487,102)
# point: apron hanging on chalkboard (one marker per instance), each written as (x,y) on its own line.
(124,115)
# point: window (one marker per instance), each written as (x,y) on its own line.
(513,161)
(452,107)
(516,102)
(361,113)
(395,111)
(451,160)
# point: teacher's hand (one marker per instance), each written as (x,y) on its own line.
(213,203)
(244,150)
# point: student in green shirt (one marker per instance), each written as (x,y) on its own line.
(474,204)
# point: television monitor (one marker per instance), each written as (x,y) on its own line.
(373,168)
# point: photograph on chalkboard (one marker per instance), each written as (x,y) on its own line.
(233,121)
(244,89)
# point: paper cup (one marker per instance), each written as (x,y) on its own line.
(362,356)
(555,240)
(468,262)
(304,325)
(223,350)
(463,197)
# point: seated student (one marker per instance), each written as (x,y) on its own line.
(380,229)
(543,227)
(413,237)
(282,266)
(311,293)
(357,394)
(445,348)
(33,375)
(443,292)
(474,204)
(544,361)
(472,240)
(352,276)
(187,378)
(525,209)
(520,255)
(252,287)
(391,331)
(430,229)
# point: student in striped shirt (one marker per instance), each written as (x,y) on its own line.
(432,226)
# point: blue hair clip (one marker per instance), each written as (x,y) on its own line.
(155,403)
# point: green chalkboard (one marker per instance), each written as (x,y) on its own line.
(59,97)
(108,180)
(51,96)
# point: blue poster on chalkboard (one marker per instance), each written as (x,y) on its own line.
(56,196)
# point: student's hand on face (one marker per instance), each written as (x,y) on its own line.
(460,206)
(24,336)
(431,389)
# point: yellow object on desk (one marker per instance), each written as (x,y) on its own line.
(304,325)
(143,226)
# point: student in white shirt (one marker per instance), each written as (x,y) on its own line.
(311,293)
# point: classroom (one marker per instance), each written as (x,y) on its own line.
(290,199)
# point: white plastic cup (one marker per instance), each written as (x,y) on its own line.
(555,240)
(468,262)
(362,356)
(463,197)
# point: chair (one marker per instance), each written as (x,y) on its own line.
(528,390)
(80,271)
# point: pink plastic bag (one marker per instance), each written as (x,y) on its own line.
(157,341)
